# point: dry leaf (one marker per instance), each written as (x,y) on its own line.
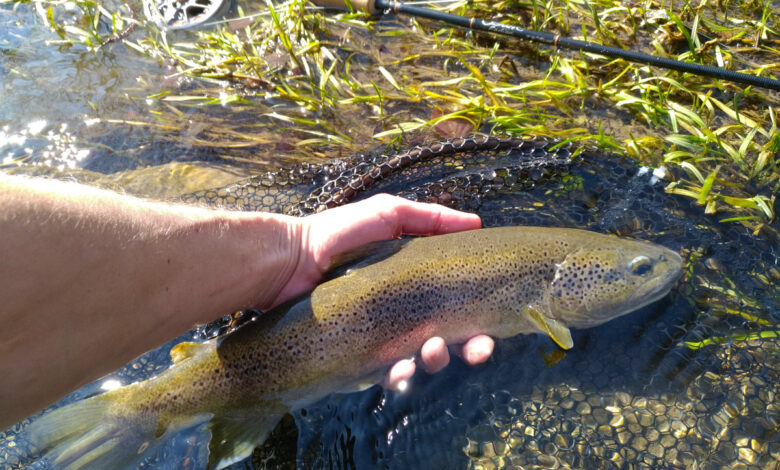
(452,127)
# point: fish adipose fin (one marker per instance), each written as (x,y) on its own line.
(185,350)
(78,436)
(551,327)
(233,439)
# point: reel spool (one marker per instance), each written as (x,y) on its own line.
(186,14)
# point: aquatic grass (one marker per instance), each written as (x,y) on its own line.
(741,338)
(720,298)
(346,79)
(85,22)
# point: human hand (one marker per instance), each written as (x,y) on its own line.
(435,357)
(382,217)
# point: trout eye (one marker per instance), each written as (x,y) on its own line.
(640,265)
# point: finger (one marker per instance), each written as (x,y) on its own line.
(477,350)
(399,374)
(434,355)
(416,218)
(384,217)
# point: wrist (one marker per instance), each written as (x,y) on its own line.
(263,251)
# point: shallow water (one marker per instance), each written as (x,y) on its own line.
(690,380)
(70,112)
(630,392)
(52,93)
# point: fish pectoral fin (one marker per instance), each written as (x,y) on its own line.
(234,438)
(363,383)
(184,351)
(551,327)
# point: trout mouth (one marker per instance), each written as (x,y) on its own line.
(674,262)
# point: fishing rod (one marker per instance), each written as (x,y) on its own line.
(379,6)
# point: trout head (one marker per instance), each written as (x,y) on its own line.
(610,277)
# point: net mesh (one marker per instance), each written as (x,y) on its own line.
(689,382)
(692,380)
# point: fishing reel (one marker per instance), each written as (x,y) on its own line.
(190,14)
(186,14)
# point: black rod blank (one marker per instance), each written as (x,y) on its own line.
(567,43)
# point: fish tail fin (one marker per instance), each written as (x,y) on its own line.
(84,435)
(234,438)
(89,435)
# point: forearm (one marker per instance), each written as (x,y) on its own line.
(100,278)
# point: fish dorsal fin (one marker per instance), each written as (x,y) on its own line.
(553,328)
(185,350)
(370,253)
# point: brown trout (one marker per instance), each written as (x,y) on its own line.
(501,282)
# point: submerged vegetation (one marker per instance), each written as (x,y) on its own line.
(295,79)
